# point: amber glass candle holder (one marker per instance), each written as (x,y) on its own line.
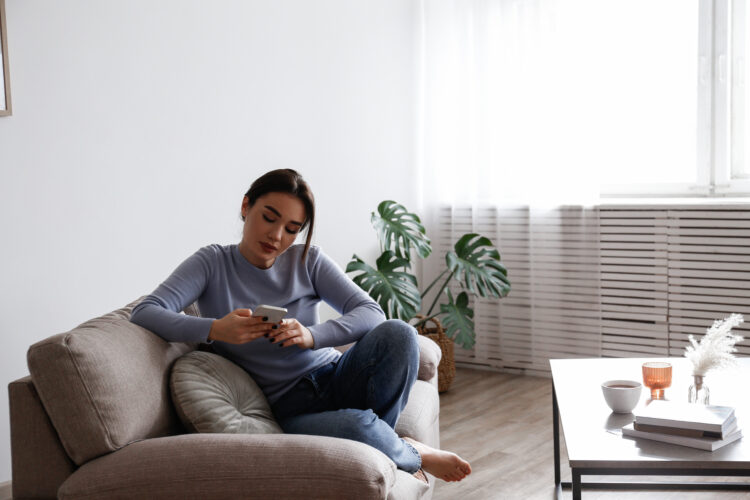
(657,376)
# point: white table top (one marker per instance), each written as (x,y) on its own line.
(591,429)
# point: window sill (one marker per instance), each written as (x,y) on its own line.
(674,202)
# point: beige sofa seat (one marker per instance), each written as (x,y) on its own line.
(231,466)
(95,420)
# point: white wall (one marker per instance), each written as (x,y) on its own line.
(137,126)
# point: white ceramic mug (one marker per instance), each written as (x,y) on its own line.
(622,395)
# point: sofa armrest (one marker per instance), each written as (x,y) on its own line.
(230,466)
(40,464)
(429,359)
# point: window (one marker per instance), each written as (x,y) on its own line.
(739,173)
(704,36)
(705,44)
(565,101)
(650,77)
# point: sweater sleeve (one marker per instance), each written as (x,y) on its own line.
(160,312)
(360,313)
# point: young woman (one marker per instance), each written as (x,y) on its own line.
(312,388)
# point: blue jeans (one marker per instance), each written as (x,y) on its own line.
(361,395)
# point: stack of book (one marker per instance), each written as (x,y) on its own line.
(706,427)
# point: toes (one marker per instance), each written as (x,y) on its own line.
(453,476)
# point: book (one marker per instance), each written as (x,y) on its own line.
(696,433)
(702,443)
(710,418)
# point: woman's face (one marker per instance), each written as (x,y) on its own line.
(271,226)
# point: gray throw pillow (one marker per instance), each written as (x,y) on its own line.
(212,394)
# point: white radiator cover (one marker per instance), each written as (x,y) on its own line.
(609,281)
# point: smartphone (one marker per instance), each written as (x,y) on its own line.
(274,314)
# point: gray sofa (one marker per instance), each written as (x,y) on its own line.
(95,420)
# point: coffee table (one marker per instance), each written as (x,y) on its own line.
(595,446)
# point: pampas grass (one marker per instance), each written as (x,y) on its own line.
(716,349)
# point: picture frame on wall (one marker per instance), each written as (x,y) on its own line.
(5,109)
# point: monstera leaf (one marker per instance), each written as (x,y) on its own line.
(457,320)
(400,230)
(395,291)
(476,264)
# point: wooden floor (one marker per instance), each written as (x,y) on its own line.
(502,424)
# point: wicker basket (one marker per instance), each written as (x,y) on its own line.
(447,366)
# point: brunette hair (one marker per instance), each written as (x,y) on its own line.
(286,180)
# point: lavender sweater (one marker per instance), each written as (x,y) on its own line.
(221,280)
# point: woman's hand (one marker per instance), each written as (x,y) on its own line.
(238,327)
(292,332)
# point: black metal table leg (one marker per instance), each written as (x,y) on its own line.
(576,484)
(556,435)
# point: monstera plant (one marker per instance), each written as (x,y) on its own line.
(474,264)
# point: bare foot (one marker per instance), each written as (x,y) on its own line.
(441,464)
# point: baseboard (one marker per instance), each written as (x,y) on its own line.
(5,491)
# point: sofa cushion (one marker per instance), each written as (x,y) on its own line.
(212,394)
(232,466)
(105,384)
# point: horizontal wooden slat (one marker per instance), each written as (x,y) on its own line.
(635,317)
(675,251)
(697,323)
(697,330)
(612,309)
(553,293)
(640,246)
(687,215)
(555,269)
(731,277)
(624,261)
(698,224)
(610,231)
(719,233)
(640,301)
(706,258)
(619,222)
(614,291)
(611,254)
(632,285)
(717,292)
(706,240)
(634,277)
(609,268)
(629,238)
(606,214)
(727,265)
(655,329)
(685,300)
(678,308)
(559,325)
(707,283)
(611,340)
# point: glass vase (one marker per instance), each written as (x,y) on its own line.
(698,391)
